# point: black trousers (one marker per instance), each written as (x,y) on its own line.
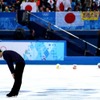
(19,68)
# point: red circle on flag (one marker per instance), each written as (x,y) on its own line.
(28,8)
(70,18)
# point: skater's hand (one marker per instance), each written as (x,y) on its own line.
(13,75)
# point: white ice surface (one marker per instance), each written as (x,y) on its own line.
(46,82)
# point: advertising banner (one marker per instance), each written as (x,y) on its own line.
(90,15)
(37,50)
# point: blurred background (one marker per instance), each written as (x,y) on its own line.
(76,22)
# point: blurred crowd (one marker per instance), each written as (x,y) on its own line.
(53,5)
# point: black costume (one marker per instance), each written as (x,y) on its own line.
(12,57)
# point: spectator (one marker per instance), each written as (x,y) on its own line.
(51,4)
(94,6)
(10,2)
(41,8)
(17,4)
(78,7)
(2,6)
(43,2)
(7,9)
(48,9)
(13,9)
(84,8)
(32,35)
(19,34)
(73,4)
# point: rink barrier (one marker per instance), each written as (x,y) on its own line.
(84,60)
(37,50)
(80,60)
(69,60)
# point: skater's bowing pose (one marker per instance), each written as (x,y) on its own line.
(12,57)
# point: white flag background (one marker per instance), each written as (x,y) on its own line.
(29,5)
(67,19)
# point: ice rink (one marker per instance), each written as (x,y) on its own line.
(47,82)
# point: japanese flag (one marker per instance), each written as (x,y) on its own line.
(29,6)
(60,5)
(67,19)
(51,2)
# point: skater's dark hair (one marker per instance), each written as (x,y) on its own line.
(0,50)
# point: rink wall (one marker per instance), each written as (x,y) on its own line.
(46,52)
(40,50)
(8,21)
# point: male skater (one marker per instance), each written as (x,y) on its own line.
(12,57)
